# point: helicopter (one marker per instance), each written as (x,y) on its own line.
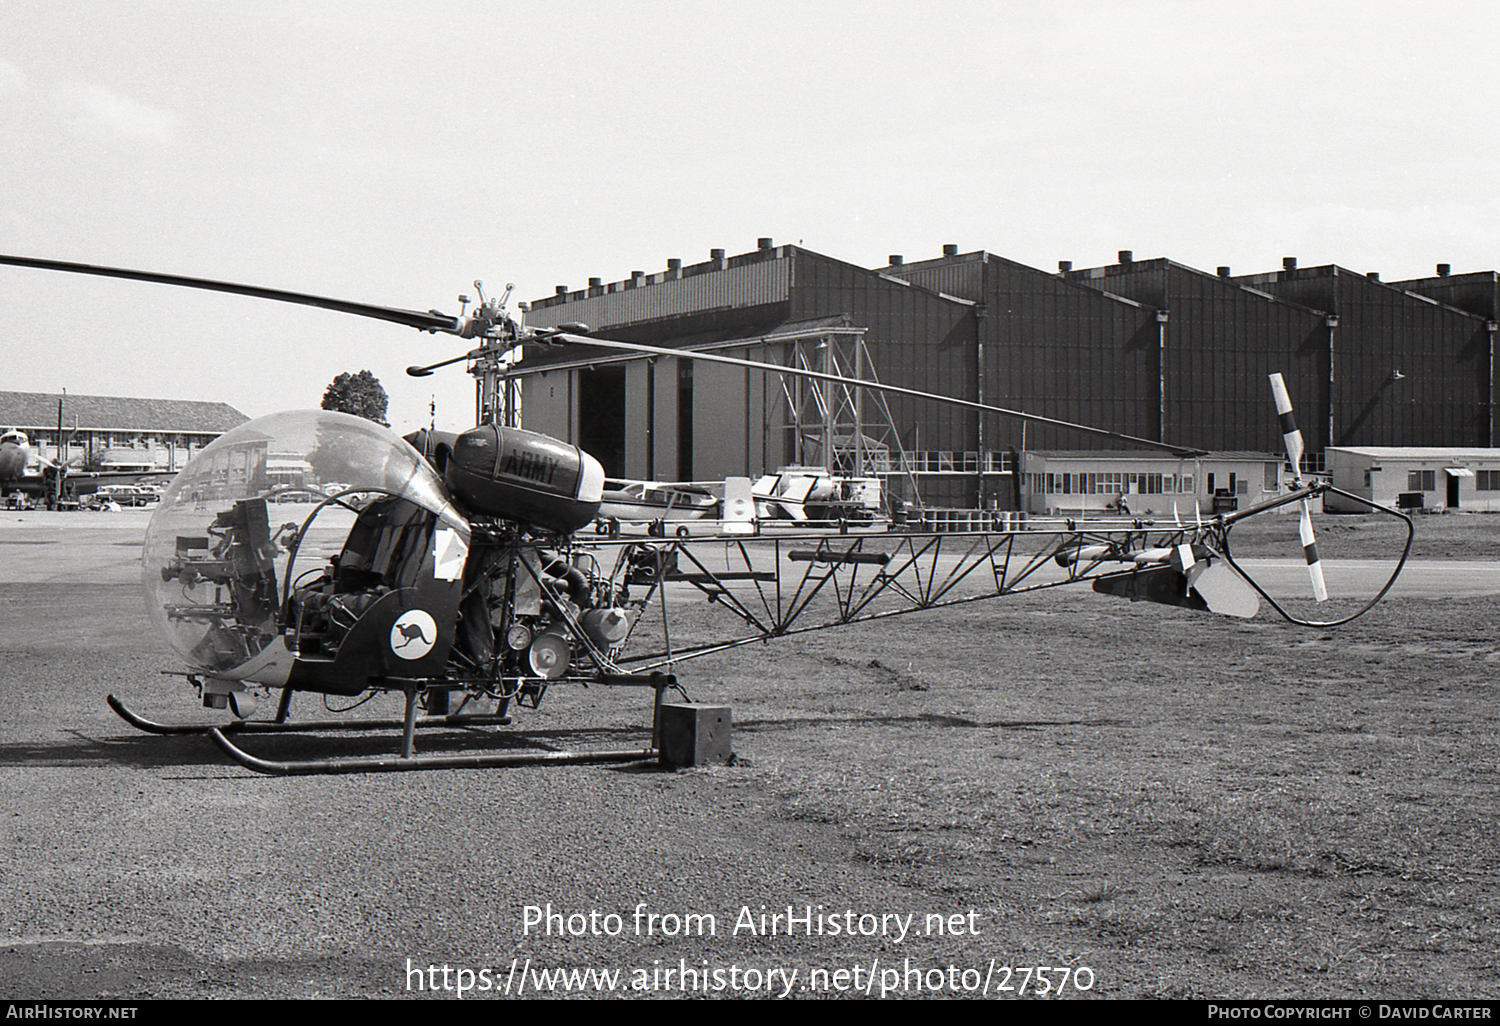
(468,564)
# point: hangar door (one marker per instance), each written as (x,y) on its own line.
(601,416)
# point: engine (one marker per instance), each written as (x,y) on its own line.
(534,613)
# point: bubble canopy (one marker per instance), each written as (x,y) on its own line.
(215,561)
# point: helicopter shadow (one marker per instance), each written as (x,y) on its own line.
(80,751)
(920,719)
(188,752)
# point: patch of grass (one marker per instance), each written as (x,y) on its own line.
(1103,890)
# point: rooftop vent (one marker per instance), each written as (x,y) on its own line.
(1444,270)
(1373,275)
(562,290)
(895,260)
(950,250)
(1126,256)
(1223,270)
(1064,266)
(716,254)
(594,283)
(763,244)
(1288,263)
(674,263)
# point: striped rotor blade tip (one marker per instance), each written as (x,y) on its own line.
(1291,437)
(1278,389)
(1310,553)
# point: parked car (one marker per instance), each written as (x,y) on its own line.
(125,495)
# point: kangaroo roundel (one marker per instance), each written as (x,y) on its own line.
(413,634)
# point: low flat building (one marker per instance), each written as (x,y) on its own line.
(117,432)
(1414,477)
(1073,483)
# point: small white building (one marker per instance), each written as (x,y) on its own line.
(1414,477)
(1062,483)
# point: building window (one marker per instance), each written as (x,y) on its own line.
(999,463)
(1487,481)
(1186,485)
(942,461)
(1421,480)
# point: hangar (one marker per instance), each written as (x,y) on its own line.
(1150,348)
(674,419)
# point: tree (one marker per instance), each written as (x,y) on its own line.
(360,394)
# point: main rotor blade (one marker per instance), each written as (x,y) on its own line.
(635,347)
(430,321)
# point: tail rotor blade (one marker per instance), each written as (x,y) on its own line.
(1310,553)
(1290,435)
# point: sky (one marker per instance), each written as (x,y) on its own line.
(393,153)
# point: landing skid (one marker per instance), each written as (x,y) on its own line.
(299,726)
(407,763)
(407,760)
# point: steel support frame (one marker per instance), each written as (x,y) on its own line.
(915,572)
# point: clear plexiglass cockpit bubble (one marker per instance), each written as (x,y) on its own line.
(215,561)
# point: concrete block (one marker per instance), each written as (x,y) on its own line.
(694,734)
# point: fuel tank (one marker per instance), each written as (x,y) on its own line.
(517,474)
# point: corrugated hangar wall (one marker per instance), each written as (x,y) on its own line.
(1405,369)
(916,338)
(1217,342)
(1062,351)
(1477,293)
(1149,348)
(1054,348)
